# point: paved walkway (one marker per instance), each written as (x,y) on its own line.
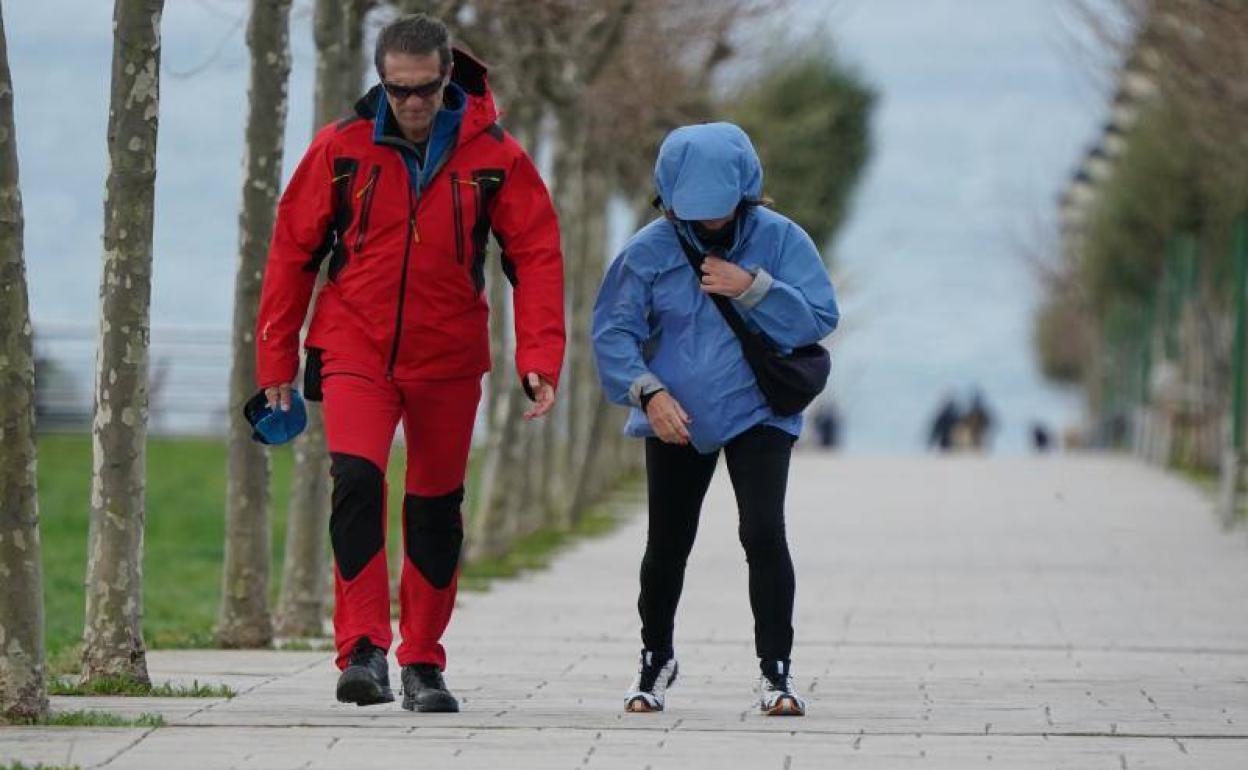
(964,613)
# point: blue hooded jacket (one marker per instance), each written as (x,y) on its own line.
(654,328)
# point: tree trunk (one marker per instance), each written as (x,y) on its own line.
(496,503)
(305,579)
(23,692)
(244,620)
(589,402)
(488,530)
(353,59)
(328,20)
(113,636)
(338,28)
(569,191)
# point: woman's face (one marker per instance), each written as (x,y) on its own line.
(715,224)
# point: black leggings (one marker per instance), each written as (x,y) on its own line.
(677,480)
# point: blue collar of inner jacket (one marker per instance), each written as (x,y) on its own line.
(738,223)
(441,137)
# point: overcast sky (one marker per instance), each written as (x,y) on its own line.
(985,107)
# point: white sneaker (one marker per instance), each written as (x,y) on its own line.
(776,696)
(649,687)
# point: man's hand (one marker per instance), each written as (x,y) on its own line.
(278,396)
(668,418)
(719,276)
(544,394)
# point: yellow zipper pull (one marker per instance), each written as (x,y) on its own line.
(415,232)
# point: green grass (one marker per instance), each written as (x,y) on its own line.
(128,687)
(1207,479)
(95,719)
(1209,482)
(20,766)
(183,542)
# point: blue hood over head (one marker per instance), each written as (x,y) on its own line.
(704,171)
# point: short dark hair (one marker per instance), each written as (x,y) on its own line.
(418,35)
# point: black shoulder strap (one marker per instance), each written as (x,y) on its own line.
(730,314)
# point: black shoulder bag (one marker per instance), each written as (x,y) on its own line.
(789,383)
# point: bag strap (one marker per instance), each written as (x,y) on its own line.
(726,309)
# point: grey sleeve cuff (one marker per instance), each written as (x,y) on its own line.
(646,383)
(758,289)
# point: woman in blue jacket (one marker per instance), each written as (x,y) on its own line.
(664,349)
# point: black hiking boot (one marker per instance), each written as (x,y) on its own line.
(425,690)
(366,679)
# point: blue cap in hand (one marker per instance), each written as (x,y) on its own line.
(275,426)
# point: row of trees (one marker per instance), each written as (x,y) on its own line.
(1140,311)
(593,86)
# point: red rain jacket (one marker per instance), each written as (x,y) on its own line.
(407,265)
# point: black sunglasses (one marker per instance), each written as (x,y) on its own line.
(424,90)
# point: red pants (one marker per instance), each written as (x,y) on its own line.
(362,408)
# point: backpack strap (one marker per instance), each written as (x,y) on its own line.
(726,309)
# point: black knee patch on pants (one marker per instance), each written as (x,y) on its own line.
(433,533)
(356,529)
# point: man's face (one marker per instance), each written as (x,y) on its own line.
(414,113)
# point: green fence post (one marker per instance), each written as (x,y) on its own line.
(1240,261)
(1172,297)
(1233,456)
(1146,351)
(1142,419)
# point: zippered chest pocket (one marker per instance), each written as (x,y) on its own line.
(462,192)
(471,199)
(364,205)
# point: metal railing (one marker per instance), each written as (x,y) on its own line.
(188,386)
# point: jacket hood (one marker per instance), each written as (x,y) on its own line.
(704,171)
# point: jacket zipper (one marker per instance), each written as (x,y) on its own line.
(413,235)
(407,252)
(366,205)
(459,218)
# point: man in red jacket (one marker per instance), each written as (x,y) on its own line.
(401,198)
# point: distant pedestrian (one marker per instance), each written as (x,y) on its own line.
(828,425)
(944,424)
(665,348)
(978,422)
(1040,440)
